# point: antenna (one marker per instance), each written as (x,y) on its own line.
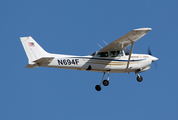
(99,45)
(105,42)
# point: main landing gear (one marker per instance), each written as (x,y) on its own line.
(105,82)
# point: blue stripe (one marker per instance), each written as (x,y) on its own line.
(108,59)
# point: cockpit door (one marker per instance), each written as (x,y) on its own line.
(101,61)
(117,62)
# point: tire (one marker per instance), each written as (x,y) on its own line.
(139,78)
(105,82)
(98,87)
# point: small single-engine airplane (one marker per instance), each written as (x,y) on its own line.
(113,58)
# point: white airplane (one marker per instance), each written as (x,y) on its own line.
(113,58)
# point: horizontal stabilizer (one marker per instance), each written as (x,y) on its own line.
(44,60)
(32,66)
(39,62)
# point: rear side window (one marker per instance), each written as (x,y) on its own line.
(102,54)
(93,54)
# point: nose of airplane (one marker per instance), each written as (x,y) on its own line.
(154,58)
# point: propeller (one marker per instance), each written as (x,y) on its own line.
(149,52)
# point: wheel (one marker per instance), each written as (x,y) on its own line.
(105,82)
(139,78)
(98,87)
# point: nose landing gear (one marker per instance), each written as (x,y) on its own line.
(139,78)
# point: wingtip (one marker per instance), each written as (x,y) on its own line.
(143,29)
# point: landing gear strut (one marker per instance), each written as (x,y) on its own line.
(105,82)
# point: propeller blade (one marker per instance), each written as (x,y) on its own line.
(156,66)
(149,51)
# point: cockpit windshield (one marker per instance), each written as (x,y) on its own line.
(127,51)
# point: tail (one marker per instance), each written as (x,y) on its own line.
(35,53)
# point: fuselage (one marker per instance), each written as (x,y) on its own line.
(106,60)
(117,64)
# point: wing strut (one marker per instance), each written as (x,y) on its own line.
(132,43)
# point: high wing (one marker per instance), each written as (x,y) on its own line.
(126,40)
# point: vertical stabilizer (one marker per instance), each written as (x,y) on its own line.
(33,50)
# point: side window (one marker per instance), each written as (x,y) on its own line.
(113,54)
(116,53)
(102,54)
(120,53)
(93,54)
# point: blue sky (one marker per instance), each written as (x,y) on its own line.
(75,27)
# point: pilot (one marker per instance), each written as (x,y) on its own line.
(114,54)
(119,53)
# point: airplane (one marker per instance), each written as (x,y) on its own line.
(113,58)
